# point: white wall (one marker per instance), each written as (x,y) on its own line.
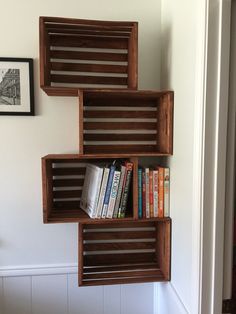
(25,241)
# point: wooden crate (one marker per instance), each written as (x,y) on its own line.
(129,252)
(77,53)
(136,123)
(63,178)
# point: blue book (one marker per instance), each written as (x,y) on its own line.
(140,207)
(108,191)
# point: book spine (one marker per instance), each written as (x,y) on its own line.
(166,192)
(113,194)
(147,193)
(155,193)
(97,192)
(140,214)
(102,192)
(151,193)
(108,191)
(161,192)
(124,199)
(144,194)
(117,204)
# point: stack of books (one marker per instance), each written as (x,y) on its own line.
(153,192)
(106,190)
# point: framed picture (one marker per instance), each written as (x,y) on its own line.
(16,86)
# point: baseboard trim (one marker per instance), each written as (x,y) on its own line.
(37,270)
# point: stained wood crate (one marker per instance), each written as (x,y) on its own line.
(77,53)
(136,123)
(129,252)
(63,178)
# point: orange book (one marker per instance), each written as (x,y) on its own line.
(151,193)
(160,192)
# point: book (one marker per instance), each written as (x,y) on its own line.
(144,193)
(102,192)
(160,192)
(166,192)
(91,189)
(151,193)
(155,193)
(125,192)
(108,190)
(117,204)
(147,192)
(113,194)
(140,187)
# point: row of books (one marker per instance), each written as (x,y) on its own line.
(106,190)
(153,192)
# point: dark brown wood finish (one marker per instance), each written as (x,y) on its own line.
(116,261)
(65,67)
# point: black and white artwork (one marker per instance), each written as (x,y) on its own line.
(16,86)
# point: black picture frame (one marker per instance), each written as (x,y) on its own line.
(16,86)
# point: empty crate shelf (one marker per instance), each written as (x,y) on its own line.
(126,122)
(63,179)
(78,53)
(129,252)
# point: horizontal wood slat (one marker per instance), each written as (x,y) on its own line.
(65,205)
(68,171)
(67,194)
(116,149)
(119,246)
(85,79)
(119,235)
(120,114)
(130,225)
(91,25)
(89,55)
(61,40)
(116,101)
(86,32)
(82,67)
(119,126)
(128,267)
(119,137)
(67,182)
(117,281)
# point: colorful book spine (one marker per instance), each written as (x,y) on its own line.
(151,193)
(166,192)
(108,191)
(125,194)
(140,207)
(155,193)
(113,194)
(102,192)
(117,204)
(147,193)
(160,192)
(144,194)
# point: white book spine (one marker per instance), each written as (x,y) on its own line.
(113,195)
(166,192)
(147,193)
(102,193)
(97,190)
(122,176)
(155,193)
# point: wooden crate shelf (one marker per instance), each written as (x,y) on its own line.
(77,53)
(138,123)
(63,178)
(129,252)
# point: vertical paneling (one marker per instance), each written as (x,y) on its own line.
(137,299)
(49,294)
(1,294)
(84,300)
(17,295)
(112,299)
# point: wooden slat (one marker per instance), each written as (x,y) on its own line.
(116,149)
(92,33)
(68,171)
(116,101)
(119,235)
(67,182)
(82,67)
(119,137)
(130,225)
(67,193)
(89,55)
(66,205)
(85,79)
(119,246)
(123,274)
(88,42)
(120,114)
(112,259)
(119,125)
(128,267)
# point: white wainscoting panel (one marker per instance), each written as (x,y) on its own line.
(112,299)
(137,299)
(49,294)
(17,295)
(1,295)
(84,300)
